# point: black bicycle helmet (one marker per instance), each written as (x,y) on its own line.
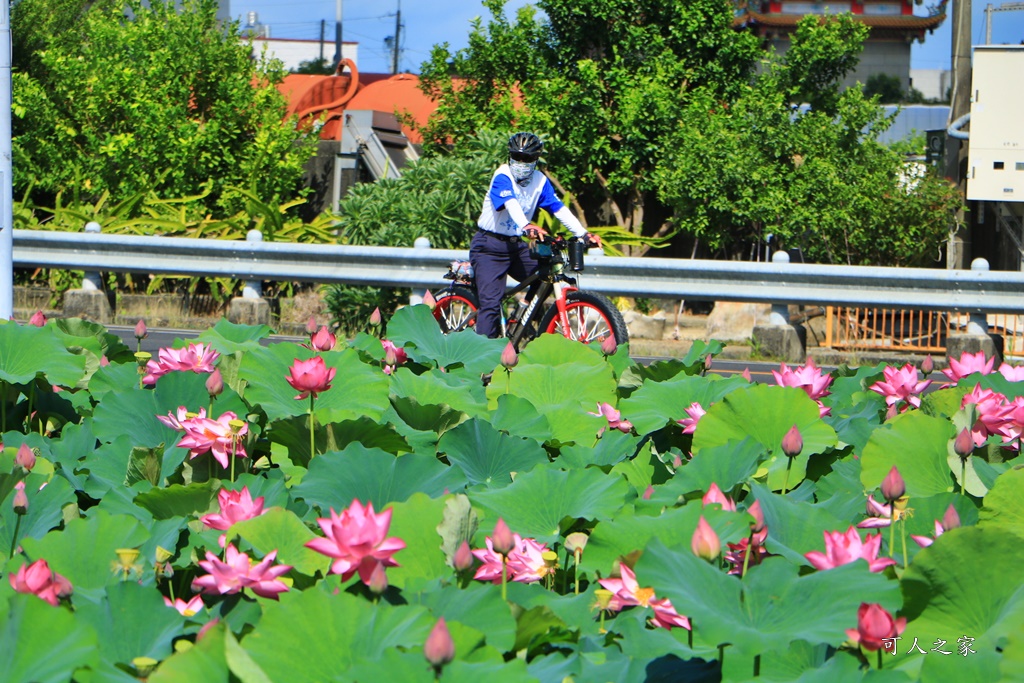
(525,147)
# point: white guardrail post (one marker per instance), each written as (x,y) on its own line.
(420,244)
(251,308)
(975,336)
(90,301)
(779,338)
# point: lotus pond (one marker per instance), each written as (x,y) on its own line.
(233,510)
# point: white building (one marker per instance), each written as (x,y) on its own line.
(293,51)
(934,84)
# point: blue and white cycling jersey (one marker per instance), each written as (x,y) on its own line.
(538,193)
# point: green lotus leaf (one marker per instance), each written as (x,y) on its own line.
(664,370)
(104,468)
(643,471)
(41,643)
(765,414)
(415,521)
(1012,664)
(854,424)
(537,503)
(958,587)
(415,328)
(514,671)
(796,527)
(27,351)
(626,533)
(656,404)
(1002,506)
(313,635)
(771,606)
(944,402)
(76,441)
(612,448)
(228,337)
(592,661)
(916,444)
(205,661)
(642,643)
(336,479)
(726,465)
(114,377)
(996,382)
(45,509)
(395,665)
(94,338)
(178,500)
(84,549)
(134,622)
(281,530)
(518,416)
(357,389)
(487,456)
(478,605)
(462,393)
(438,418)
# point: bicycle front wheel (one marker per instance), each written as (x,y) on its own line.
(456,309)
(592,318)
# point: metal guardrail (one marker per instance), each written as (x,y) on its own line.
(976,291)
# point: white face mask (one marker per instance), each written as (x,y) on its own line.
(521,171)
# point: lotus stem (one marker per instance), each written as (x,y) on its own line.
(31,401)
(879,659)
(785,484)
(504,578)
(312,441)
(689,636)
(508,381)
(234,455)
(576,571)
(3,406)
(892,529)
(757,665)
(903,537)
(721,654)
(14,538)
(746,554)
(963,476)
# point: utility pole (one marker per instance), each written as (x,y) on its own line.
(989,9)
(6,193)
(337,33)
(398,39)
(958,247)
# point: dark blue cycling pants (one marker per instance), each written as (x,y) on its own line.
(494,257)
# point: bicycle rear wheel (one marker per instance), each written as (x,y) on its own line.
(592,318)
(456,309)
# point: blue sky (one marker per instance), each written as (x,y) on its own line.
(427,22)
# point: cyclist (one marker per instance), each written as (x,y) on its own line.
(497,249)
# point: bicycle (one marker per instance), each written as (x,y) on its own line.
(574,313)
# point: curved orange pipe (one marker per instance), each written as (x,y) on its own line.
(339,103)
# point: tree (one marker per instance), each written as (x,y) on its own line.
(885,87)
(161,99)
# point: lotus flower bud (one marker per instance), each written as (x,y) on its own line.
(792,442)
(463,559)
(705,541)
(509,357)
(577,540)
(140,330)
(893,486)
(927,365)
(963,445)
(502,540)
(439,648)
(311,326)
(757,513)
(950,520)
(38,319)
(746,375)
(378,579)
(62,586)
(20,499)
(214,383)
(323,340)
(390,357)
(26,457)
(707,362)
(375,317)
(648,492)
(429,300)
(609,346)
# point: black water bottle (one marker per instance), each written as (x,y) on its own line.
(576,247)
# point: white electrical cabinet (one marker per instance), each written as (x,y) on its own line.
(996,143)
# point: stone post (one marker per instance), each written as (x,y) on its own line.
(780,339)
(250,308)
(976,337)
(90,302)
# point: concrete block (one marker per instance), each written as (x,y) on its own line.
(88,304)
(249,311)
(645,326)
(781,341)
(958,344)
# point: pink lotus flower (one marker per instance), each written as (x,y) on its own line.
(509,357)
(463,559)
(609,346)
(492,562)
(614,418)
(198,358)
(20,501)
(217,437)
(235,506)
(694,413)
(504,540)
(357,540)
(39,580)
(186,609)
(38,319)
(439,648)
(174,420)
(715,495)
(375,317)
(793,442)
(627,592)
(968,364)
(845,548)
(705,543)
(238,572)
(215,384)
(992,413)
(950,520)
(875,625)
(879,515)
(810,378)
(901,387)
(893,486)
(393,356)
(1013,427)
(310,377)
(737,554)
(322,340)
(527,563)
(140,330)
(1013,373)
(25,458)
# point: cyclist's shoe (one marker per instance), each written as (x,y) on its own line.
(486,378)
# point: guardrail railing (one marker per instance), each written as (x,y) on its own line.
(975,291)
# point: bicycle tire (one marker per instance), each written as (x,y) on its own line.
(592,318)
(455,308)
